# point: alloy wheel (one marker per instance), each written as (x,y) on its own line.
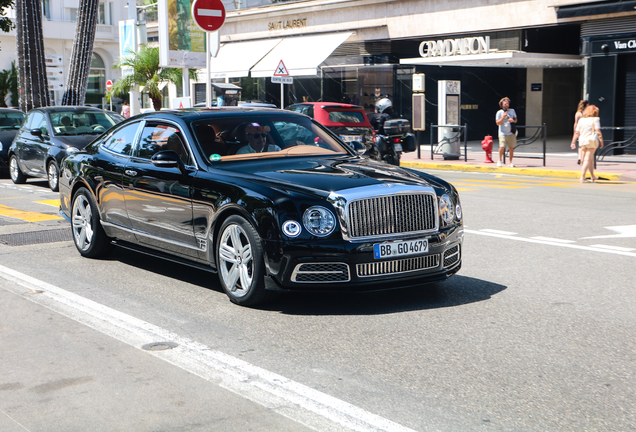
(82,221)
(236,260)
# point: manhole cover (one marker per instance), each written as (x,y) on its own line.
(159,346)
(37,237)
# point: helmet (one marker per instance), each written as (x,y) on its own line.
(382,105)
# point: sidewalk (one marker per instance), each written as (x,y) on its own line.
(560,161)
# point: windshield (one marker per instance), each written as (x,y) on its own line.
(11,120)
(81,123)
(243,138)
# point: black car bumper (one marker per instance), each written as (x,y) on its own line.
(345,266)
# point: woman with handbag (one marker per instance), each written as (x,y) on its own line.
(588,132)
(578,116)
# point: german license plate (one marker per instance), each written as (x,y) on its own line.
(400,248)
(397,147)
(349,138)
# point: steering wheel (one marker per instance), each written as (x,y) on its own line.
(99,128)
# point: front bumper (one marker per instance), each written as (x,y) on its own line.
(347,266)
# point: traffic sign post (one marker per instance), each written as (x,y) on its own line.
(281,75)
(209,15)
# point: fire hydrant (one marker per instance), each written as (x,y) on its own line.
(486,145)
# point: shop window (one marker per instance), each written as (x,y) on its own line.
(96,85)
(102,13)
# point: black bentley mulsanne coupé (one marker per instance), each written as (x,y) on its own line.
(268,199)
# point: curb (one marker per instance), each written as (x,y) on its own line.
(539,172)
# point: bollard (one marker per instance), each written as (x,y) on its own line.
(486,145)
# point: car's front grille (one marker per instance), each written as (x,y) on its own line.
(393,214)
(321,273)
(451,256)
(398,266)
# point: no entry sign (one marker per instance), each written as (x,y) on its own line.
(208,14)
(109,85)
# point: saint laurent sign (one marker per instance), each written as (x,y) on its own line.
(290,24)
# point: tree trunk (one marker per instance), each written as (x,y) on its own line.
(156,103)
(34,86)
(82,54)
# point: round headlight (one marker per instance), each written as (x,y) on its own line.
(446,208)
(319,221)
(291,228)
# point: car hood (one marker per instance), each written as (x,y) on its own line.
(77,141)
(323,176)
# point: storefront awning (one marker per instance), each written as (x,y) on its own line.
(237,58)
(578,10)
(508,59)
(300,55)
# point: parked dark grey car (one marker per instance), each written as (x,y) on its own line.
(10,122)
(48,134)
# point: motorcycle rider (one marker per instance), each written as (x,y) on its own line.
(383,112)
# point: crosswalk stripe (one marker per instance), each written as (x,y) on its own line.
(26,215)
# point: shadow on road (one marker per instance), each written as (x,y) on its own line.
(457,291)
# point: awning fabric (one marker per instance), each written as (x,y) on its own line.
(508,59)
(300,55)
(236,58)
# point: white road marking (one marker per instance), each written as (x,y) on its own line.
(492,231)
(550,239)
(623,231)
(617,248)
(552,243)
(309,407)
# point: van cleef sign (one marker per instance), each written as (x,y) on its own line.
(290,24)
(452,47)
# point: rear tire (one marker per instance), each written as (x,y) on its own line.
(88,235)
(17,176)
(239,257)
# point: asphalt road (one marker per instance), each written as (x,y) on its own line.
(535,333)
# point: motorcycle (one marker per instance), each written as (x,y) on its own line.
(395,140)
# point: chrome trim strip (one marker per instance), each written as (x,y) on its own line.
(161,239)
(373,272)
(297,271)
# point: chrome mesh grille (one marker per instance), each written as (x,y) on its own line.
(398,266)
(321,273)
(391,215)
(451,256)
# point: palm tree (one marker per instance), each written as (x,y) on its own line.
(5,86)
(34,88)
(6,24)
(75,93)
(145,71)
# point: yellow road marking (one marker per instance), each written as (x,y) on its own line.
(465,189)
(493,186)
(53,202)
(26,215)
(528,182)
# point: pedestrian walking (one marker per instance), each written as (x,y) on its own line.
(588,132)
(125,110)
(505,118)
(579,114)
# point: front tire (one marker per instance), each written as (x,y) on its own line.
(88,235)
(17,176)
(53,174)
(239,257)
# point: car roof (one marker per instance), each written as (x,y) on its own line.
(63,108)
(192,114)
(330,105)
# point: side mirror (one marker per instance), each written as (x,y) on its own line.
(358,147)
(36,132)
(167,159)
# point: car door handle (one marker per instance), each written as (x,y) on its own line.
(130,173)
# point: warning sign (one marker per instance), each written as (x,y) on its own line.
(281,70)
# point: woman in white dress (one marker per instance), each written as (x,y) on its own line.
(588,132)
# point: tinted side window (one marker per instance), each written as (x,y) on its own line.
(158,137)
(122,140)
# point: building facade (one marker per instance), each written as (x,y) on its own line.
(58,26)
(359,50)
